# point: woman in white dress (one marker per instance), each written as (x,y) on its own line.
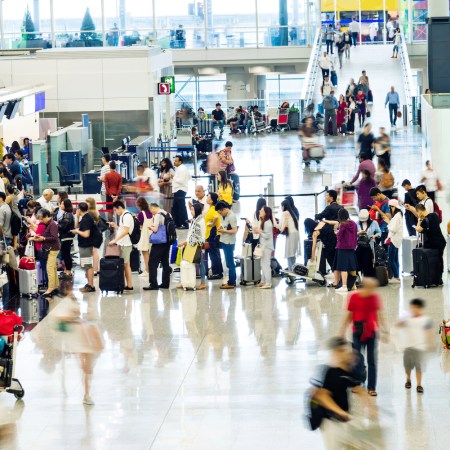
(289,227)
(265,232)
(146,220)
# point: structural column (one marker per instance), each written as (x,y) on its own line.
(437,8)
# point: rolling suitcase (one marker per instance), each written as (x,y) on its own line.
(381,274)
(135,260)
(205,127)
(28,282)
(427,270)
(250,270)
(307,250)
(40,275)
(29,310)
(408,245)
(111,276)
(188,275)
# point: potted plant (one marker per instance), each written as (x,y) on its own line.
(29,38)
(88,34)
(294,118)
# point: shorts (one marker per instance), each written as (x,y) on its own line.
(86,260)
(413,358)
(125,252)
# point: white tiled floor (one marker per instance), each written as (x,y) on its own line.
(225,370)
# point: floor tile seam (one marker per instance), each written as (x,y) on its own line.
(177,392)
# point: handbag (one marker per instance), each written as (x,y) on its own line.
(192,253)
(112,251)
(160,237)
(29,249)
(8,320)
(368,114)
(102,225)
(179,257)
(247,250)
(259,251)
(439,185)
(27,263)
(231,168)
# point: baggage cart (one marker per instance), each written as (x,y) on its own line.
(8,382)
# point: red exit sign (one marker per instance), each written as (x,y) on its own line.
(164,88)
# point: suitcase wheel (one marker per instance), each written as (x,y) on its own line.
(19,395)
(243,283)
(290,281)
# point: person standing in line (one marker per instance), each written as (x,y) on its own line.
(361,103)
(341,46)
(428,225)
(368,231)
(330,106)
(397,40)
(354,30)
(329,38)
(225,191)
(418,332)
(289,227)
(351,115)
(145,220)
(212,221)
(332,394)
(180,185)
(393,100)
(395,238)
(325,64)
(159,253)
(410,200)
(379,210)
(150,175)
(265,232)
(431,180)
(65,225)
(423,199)
(113,186)
(166,174)
(364,314)
(342,115)
(50,244)
(122,239)
(106,158)
(228,231)
(45,199)
(5,219)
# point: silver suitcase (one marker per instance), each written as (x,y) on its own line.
(28,282)
(250,270)
(317,152)
(29,309)
(205,127)
(409,243)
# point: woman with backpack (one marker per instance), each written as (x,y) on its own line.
(368,231)
(65,226)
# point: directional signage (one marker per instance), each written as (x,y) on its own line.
(171,80)
(164,88)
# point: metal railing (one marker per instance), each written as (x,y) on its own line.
(407,80)
(309,83)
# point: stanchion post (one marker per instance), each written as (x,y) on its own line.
(271,192)
(316,203)
(195,165)
(405,115)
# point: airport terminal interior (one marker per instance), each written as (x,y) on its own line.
(206,365)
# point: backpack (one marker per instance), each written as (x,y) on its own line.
(328,103)
(96,236)
(26,175)
(15,223)
(135,235)
(171,229)
(437,210)
(373,213)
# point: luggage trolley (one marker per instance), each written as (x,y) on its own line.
(346,197)
(283,119)
(259,126)
(8,365)
(302,274)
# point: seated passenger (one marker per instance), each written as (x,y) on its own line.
(329,213)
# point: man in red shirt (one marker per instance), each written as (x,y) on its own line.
(113,186)
(364,308)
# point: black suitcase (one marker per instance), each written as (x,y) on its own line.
(427,267)
(111,275)
(307,249)
(135,260)
(381,274)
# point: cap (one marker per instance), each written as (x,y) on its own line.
(363,215)
(394,203)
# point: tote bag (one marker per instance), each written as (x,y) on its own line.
(192,253)
(160,237)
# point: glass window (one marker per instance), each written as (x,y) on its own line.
(135,25)
(283,88)
(69,17)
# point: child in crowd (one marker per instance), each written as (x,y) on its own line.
(418,337)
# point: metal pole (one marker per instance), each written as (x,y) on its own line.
(2,33)
(195,165)
(52,23)
(103,23)
(405,115)
(155,37)
(316,203)
(257,23)
(271,192)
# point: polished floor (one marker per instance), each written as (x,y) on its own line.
(225,370)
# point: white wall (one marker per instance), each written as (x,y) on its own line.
(19,127)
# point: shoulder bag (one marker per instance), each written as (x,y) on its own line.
(259,251)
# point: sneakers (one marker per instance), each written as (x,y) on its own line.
(144,275)
(87,288)
(88,401)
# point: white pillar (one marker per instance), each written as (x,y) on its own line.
(240,87)
(2,34)
(437,8)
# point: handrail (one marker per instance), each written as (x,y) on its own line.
(407,76)
(309,83)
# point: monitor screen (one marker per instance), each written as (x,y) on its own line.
(12,108)
(39,101)
(2,110)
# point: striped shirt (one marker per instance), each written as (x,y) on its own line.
(103,171)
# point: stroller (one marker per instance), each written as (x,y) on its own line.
(7,364)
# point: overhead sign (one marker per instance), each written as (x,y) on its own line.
(171,80)
(164,88)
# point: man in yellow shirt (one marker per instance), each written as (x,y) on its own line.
(212,221)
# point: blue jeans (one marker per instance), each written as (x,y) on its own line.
(220,124)
(228,251)
(394,266)
(371,358)
(202,269)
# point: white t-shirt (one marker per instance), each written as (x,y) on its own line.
(428,203)
(327,88)
(415,332)
(324,62)
(181,179)
(45,204)
(430,178)
(126,220)
(103,171)
(397,39)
